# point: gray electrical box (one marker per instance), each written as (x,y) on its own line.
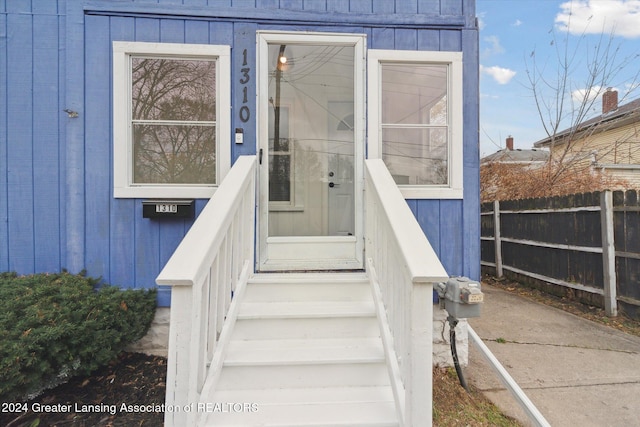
(462,297)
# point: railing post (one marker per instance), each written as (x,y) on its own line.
(179,357)
(419,396)
(497,239)
(608,254)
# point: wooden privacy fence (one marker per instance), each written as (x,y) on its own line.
(583,245)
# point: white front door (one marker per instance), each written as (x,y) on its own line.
(311,145)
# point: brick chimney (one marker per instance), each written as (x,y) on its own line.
(510,143)
(609,101)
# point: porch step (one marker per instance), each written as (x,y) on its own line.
(305,351)
(306,328)
(300,376)
(303,287)
(331,406)
(299,396)
(305,310)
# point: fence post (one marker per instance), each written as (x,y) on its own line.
(608,254)
(496,237)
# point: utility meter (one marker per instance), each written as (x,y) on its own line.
(462,297)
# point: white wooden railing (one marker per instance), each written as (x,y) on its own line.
(403,267)
(213,261)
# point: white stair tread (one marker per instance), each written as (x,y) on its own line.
(304,351)
(345,374)
(293,291)
(306,309)
(305,328)
(373,414)
(304,278)
(306,395)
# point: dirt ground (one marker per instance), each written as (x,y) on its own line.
(453,406)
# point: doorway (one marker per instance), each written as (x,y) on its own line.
(311,145)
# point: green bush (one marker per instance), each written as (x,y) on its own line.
(54,326)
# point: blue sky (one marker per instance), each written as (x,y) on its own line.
(510,30)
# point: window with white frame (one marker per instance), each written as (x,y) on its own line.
(171,108)
(415,120)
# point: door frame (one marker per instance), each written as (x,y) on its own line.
(309,252)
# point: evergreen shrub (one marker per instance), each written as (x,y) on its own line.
(55,326)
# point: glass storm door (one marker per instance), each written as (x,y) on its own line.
(311,145)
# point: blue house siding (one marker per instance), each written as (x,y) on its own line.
(4,209)
(30,124)
(470,231)
(56,171)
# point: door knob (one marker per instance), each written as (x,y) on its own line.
(331,184)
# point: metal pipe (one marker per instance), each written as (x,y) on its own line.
(529,408)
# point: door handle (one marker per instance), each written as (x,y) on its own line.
(333,184)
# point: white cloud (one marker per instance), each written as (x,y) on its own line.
(489,96)
(586,95)
(499,74)
(493,46)
(596,16)
(517,23)
(631,89)
(481,23)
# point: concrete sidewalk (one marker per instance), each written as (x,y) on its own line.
(577,372)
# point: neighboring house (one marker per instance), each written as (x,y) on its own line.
(120,119)
(608,143)
(509,156)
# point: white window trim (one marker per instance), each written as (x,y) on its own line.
(122,149)
(454,190)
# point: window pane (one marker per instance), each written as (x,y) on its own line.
(279,178)
(279,155)
(174,154)
(414,94)
(311,108)
(282,145)
(416,156)
(173,89)
(282,125)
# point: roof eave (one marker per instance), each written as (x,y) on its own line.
(616,121)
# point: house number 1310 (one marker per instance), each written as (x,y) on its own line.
(245,112)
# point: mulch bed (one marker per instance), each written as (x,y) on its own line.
(130,391)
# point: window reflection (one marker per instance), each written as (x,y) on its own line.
(173,121)
(415,123)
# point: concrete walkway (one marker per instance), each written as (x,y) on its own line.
(577,372)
